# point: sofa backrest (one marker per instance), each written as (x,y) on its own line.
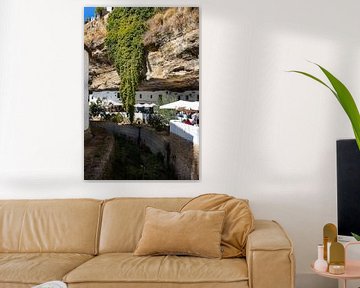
(123,220)
(67,226)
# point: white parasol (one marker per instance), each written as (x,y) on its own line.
(182,105)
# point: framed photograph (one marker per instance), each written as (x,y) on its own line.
(141,93)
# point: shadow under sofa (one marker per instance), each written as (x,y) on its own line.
(90,243)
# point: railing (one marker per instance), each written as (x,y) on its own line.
(185,131)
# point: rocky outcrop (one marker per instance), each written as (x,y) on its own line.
(172,52)
(172,44)
(102,73)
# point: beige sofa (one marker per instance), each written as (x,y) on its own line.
(89,243)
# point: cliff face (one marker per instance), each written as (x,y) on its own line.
(172,52)
(172,43)
(102,74)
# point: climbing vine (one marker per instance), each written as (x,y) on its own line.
(125,29)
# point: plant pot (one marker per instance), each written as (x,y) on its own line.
(348,187)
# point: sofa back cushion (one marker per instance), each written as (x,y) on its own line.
(123,220)
(193,232)
(238,224)
(66,226)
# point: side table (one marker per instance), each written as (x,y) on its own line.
(352,268)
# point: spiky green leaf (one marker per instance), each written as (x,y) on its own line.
(356,236)
(347,102)
(316,79)
(344,97)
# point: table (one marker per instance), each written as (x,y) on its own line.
(352,269)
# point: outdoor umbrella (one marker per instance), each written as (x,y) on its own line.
(182,105)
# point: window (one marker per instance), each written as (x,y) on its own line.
(197,97)
(187,97)
(151,96)
(140,96)
(178,97)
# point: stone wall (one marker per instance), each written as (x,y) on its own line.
(184,157)
(156,142)
(178,153)
(99,149)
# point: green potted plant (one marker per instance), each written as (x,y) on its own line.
(347,102)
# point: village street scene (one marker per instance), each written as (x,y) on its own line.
(141,93)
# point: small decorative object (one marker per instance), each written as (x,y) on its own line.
(320,264)
(336,269)
(330,236)
(337,258)
(328,251)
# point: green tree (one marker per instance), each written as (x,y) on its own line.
(101,11)
(126,27)
(165,114)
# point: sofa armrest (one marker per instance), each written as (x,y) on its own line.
(269,256)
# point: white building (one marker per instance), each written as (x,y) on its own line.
(142,97)
(145,97)
(165,96)
(192,95)
(107,97)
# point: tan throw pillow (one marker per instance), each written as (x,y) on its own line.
(196,233)
(239,220)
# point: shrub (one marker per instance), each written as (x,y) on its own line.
(169,23)
(97,109)
(101,11)
(169,13)
(107,116)
(158,122)
(117,118)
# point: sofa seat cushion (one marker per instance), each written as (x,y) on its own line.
(127,268)
(36,268)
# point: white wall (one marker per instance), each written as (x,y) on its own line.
(149,96)
(153,96)
(278,149)
(105,96)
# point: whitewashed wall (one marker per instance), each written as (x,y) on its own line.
(106,97)
(266,135)
(151,96)
(167,96)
